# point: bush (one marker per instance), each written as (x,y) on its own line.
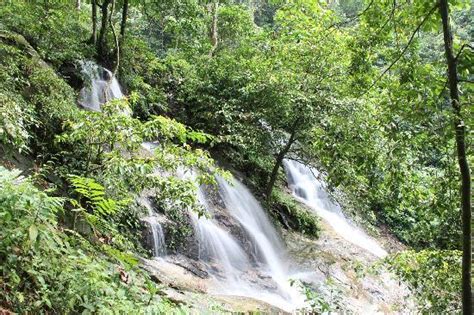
(34,100)
(54,28)
(434,276)
(46,268)
(293,214)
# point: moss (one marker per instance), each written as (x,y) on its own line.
(293,214)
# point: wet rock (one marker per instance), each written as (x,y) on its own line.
(343,269)
(71,73)
(197,268)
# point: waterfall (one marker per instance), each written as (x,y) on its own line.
(231,266)
(310,190)
(217,245)
(158,237)
(268,247)
(101,86)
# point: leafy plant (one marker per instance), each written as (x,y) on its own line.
(47,268)
(291,212)
(433,275)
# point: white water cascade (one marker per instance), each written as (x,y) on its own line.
(217,245)
(308,189)
(267,246)
(232,268)
(158,237)
(101,86)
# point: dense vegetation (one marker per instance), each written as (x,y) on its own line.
(356,88)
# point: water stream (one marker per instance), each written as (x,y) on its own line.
(263,273)
(254,263)
(100,86)
(158,237)
(310,190)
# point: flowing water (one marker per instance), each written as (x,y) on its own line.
(262,273)
(217,245)
(101,86)
(267,246)
(255,263)
(158,237)
(310,190)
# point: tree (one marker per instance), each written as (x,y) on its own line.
(101,41)
(460,129)
(94,22)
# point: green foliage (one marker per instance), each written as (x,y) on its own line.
(46,268)
(281,68)
(15,118)
(107,148)
(434,276)
(298,217)
(54,28)
(94,195)
(34,93)
(326,299)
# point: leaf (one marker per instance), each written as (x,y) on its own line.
(33,232)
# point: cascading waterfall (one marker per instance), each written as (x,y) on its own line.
(158,237)
(268,247)
(230,265)
(217,245)
(310,190)
(101,86)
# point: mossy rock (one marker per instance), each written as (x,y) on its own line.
(292,214)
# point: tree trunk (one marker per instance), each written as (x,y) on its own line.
(214,38)
(103,29)
(123,24)
(460,130)
(78,4)
(279,160)
(94,23)
(116,41)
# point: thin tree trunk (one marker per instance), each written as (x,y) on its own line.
(94,22)
(278,162)
(214,37)
(103,29)
(116,40)
(78,4)
(460,130)
(123,24)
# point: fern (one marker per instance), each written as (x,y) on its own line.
(94,195)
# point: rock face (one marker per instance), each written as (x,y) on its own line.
(346,275)
(185,286)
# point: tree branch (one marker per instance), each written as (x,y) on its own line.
(461,50)
(466,81)
(412,37)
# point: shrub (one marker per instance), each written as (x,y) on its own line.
(46,268)
(434,276)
